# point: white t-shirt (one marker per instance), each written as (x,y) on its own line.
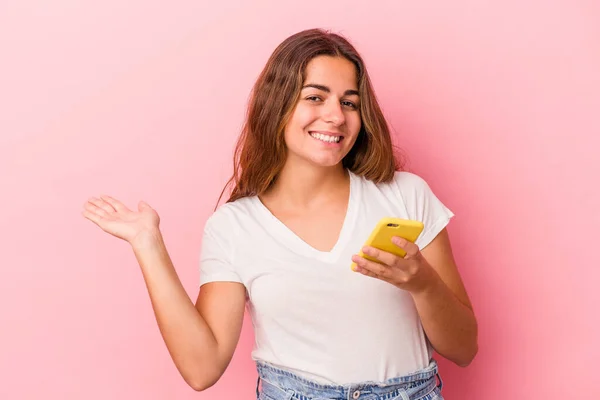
(311,313)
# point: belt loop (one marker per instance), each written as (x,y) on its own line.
(441,384)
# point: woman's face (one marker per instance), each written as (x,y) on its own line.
(326,120)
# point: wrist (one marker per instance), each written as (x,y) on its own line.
(431,284)
(146,239)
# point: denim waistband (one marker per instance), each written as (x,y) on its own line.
(282,384)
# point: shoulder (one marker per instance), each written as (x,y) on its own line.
(422,204)
(412,191)
(402,178)
(405,180)
(412,188)
(228,216)
(403,183)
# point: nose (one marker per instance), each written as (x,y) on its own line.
(333,113)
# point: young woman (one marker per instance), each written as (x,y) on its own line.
(314,172)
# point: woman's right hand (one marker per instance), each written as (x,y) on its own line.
(115,218)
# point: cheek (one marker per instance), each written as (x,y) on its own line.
(295,128)
(358,116)
(354,122)
(303,116)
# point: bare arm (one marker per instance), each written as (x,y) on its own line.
(201,339)
(444,307)
(441,300)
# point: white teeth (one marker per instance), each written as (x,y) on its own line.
(326,138)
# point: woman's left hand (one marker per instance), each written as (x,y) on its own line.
(411,273)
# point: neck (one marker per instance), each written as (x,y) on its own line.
(304,185)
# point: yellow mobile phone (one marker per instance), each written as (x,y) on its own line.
(386,229)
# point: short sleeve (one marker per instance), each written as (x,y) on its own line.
(423,205)
(215,260)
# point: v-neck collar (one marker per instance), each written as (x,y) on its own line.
(291,240)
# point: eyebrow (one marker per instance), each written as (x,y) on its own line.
(326,89)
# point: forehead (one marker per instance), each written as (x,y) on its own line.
(336,72)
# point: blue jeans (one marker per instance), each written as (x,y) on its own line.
(278,384)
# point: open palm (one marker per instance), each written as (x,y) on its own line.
(115,218)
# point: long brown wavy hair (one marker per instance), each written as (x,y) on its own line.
(260,152)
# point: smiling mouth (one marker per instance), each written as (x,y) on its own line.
(326,138)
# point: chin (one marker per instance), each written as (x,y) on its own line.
(326,163)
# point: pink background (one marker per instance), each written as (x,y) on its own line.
(496,104)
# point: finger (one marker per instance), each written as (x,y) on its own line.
(383,256)
(102,204)
(365,272)
(94,209)
(380,270)
(95,218)
(409,247)
(116,204)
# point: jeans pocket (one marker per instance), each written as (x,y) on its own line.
(270,391)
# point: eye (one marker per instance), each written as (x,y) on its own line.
(350,104)
(313,98)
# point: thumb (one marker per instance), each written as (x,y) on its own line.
(142,205)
